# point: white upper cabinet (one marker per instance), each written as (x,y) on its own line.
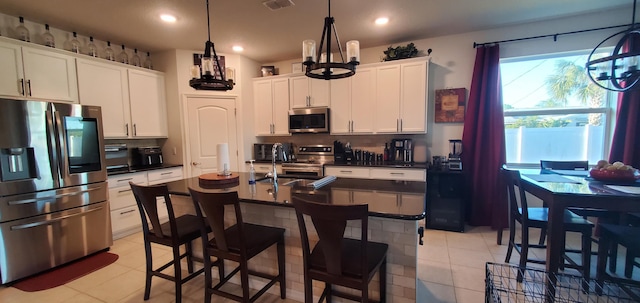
(401,105)
(12,76)
(133,101)
(106,85)
(308,92)
(271,97)
(352,103)
(148,104)
(37,73)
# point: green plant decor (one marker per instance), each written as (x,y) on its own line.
(400,52)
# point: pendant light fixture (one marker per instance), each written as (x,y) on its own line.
(320,65)
(211,76)
(619,71)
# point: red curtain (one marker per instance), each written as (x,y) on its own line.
(483,142)
(625,146)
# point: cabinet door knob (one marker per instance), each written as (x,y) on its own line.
(126,128)
(195,163)
(29,86)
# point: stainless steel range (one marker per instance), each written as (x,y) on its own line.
(309,160)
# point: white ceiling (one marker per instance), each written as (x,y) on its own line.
(269,36)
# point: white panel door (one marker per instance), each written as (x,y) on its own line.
(106,85)
(388,99)
(363,100)
(341,106)
(12,75)
(50,75)
(414,97)
(210,121)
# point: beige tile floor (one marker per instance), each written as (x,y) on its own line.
(451,269)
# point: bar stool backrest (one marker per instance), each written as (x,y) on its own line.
(212,207)
(146,198)
(330,222)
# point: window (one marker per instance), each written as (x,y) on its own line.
(552,110)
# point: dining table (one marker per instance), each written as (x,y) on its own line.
(560,190)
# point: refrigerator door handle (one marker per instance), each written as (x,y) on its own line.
(53,149)
(51,221)
(62,144)
(51,199)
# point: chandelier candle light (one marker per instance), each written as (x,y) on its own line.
(209,79)
(327,69)
(621,67)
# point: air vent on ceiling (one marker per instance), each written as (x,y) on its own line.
(275,5)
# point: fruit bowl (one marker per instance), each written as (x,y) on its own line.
(627,176)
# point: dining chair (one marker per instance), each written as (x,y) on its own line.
(336,260)
(520,212)
(612,234)
(174,233)
(238,243)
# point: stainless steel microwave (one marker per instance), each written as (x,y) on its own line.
(309,120)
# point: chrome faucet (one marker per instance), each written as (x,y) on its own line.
(274,150)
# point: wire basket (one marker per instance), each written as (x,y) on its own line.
(502,286)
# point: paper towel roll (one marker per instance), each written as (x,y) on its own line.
(223,158)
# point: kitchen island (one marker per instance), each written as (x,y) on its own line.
(395,208)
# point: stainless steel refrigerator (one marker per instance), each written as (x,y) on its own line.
(53,189)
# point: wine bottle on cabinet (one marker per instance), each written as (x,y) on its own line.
(135,59)
(75,44)
(147,62)
(92,50)
(108,52)
(47,37)
(123,57)
(22,32)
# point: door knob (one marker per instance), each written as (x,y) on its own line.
(195,163)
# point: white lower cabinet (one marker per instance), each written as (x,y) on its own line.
(125,216)
(403,174)
(347,172)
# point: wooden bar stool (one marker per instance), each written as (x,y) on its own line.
(174,233)
(239,243)
(346,262)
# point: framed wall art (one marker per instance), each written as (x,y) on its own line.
(450,105)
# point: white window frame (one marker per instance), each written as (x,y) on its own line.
(609,110)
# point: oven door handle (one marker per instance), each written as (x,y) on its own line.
(301,169)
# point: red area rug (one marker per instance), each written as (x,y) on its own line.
(66,273)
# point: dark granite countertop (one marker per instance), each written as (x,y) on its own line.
(388,199)
(139,169)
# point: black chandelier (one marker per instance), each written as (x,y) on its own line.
(211,75)
(620,69)
(320,65)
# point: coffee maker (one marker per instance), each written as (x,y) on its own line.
(402,151)
(455,153)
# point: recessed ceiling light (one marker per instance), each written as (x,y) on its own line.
(168,18)
(237,48)
(382,21)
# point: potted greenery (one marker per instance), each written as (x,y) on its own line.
(400,52)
